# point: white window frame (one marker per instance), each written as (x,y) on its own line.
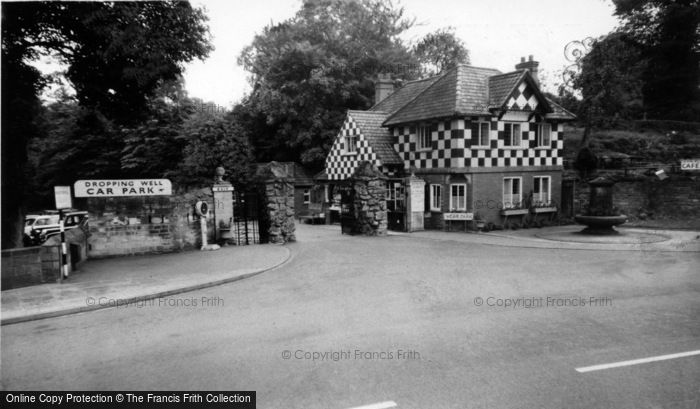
(540,135)
(423,137)
(510,143)
(307,196)
(350,142)
(454,206)
(435,205)
(537,197)
(508,202)
(480,135)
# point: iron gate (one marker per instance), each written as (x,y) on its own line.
(247,211)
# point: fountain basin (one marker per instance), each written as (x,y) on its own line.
(600,224)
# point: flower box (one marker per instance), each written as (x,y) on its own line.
(513,212)
(549,209)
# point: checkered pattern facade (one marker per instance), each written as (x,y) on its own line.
(523,98)
(339,164)
(455,145)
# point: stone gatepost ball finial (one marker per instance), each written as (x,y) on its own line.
(220,172)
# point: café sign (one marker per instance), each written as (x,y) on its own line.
(690,164)
(122,187)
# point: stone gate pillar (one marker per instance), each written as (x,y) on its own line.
(278,192)
(370,187)
(223,203)
(415,203)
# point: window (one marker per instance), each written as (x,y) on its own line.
(350,144)
(435,198)
(542,191)
(458,197)
(511,192)
(512,133)
(423,134)
(481,131)
(307,196)
(544,132)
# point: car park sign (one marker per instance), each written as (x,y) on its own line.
(122,187)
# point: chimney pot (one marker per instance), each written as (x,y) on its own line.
(530,65)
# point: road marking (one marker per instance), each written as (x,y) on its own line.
(380,405)
(636,361)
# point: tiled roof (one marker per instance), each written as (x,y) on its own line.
(559,112)
(462,90)
(501,86)
(379,138)
(403,95)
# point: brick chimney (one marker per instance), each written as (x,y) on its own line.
(530,65)
(383,87)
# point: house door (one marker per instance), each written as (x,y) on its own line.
(396,206)
(567,199)
(347,212)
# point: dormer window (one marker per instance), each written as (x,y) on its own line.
(423,135)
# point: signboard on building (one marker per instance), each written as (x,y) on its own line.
(63,198)
(222,189)
(690,164)
(122,187)
(458,216)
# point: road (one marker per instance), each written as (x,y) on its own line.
(415,322)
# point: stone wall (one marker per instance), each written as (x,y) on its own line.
(42,264)
(147,224)
(677,197)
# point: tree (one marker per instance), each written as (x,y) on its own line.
(307,71)
(439,51)
(669,31)
(610,80)
(117,54)
(214,140)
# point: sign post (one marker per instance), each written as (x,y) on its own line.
(63,201)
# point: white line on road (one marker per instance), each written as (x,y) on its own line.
(380,405)
(636,361)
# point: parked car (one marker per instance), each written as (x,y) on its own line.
(38,228)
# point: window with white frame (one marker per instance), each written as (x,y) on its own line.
(541,194)
(544,135)
(512,192)
(435,198)
(350,144)
(512,134)
(423,135)
(458,197)
(482,133)
(307,196)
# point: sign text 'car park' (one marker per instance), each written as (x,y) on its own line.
(122,187)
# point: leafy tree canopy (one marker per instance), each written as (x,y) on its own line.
(307,71)
(439,51)
(669,32)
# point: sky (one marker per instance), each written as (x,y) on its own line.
(496,32)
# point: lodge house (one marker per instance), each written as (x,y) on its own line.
(486,145)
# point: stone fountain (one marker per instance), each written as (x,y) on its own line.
(601,218)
